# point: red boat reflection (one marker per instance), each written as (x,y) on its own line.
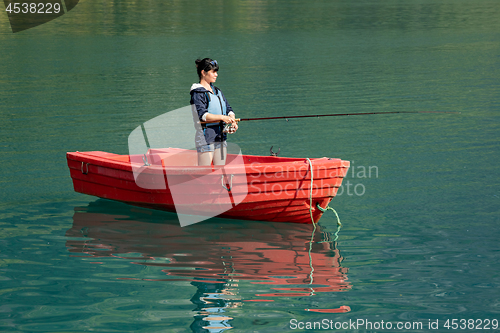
(216,252)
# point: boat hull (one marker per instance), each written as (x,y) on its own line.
(263,188)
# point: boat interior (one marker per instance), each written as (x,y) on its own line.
(189,158)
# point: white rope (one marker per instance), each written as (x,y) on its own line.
(311,279)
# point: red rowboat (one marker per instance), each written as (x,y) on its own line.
(265,188)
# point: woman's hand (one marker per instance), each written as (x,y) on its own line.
(228,120)
(233,128)
(234,125)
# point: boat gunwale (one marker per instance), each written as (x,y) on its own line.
(282,164)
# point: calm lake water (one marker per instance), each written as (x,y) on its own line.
(419,206)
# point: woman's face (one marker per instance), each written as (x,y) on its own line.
(210,76)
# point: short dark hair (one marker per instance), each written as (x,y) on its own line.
(206,65)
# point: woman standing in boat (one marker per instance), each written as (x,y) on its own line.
(211,107)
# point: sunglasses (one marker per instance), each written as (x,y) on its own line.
(213,63)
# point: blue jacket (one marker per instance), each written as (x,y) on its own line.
(206,102)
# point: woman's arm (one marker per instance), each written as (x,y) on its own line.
(201,103)
(217,117)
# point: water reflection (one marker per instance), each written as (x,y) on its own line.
(211,300)
(215,257)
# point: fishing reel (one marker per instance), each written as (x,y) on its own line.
(228,128)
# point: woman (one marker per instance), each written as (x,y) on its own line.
(214,111)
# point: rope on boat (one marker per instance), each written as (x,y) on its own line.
(311,194)
(339,225)
(311,278)
(318,206)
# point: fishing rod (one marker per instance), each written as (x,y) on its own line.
(340,114)
(330,115)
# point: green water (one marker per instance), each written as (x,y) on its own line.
(419,240)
